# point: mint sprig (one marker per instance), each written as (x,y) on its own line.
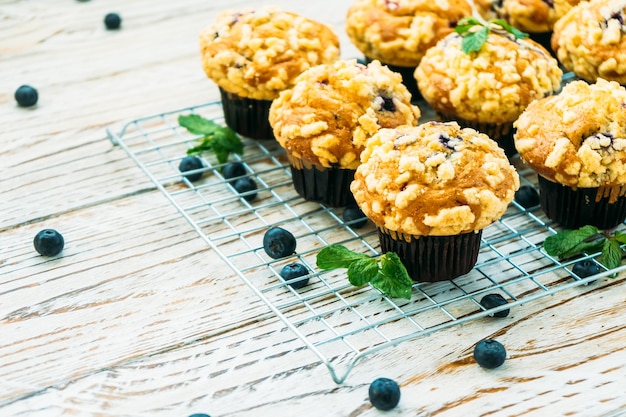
(387,273)
(475,32)
(221,140)
(587,239)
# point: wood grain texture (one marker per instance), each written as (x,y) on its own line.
(139,317)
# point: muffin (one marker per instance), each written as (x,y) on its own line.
(590,40)
(252,55)
(398,32)
(576,142)
(431,190)
(535,17)
(487,89)
(324,121)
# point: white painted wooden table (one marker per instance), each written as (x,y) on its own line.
(140,317)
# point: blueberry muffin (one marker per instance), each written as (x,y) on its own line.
(590,40)
(252,55)
(576,142)
(487,89)
(324,120)
(431,190)
(398,32)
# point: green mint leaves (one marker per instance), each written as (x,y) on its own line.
(220,140)
(387,274)
(587,239)
(474,39)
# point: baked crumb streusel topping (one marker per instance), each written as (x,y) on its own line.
(590,40)
(492,85)
(398,32)
(434,179)
(331,111)
(578,137)
(258,53)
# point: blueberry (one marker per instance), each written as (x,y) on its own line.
(527,196)
(233,170)
(48,242)
(495,300)
(353,215)
(585,268)
(26,96)
(384,393)
(199,415)
(278,242)
(246,186)
(489,353)
(112,21)
(191,163)
(292,272)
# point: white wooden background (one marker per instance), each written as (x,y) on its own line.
(139,318)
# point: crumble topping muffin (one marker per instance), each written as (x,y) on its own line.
(252,55)
(576,142)
(489,88)
(324,121)
(431,190)
(590,40)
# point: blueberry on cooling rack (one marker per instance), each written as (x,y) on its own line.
(585,268)
(527,196)
(494,300)
(233,170)
(191,163)
(247,187)
(353,216)
(279,242)
(292,274)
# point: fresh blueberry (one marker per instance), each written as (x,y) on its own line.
(112,21)
(384,393)
(353,215)
(246,186)
(278,242)
(585,268)
(48,242)
(233,170)
(191,163)
(527,196)
(489,353)
(490,301)
(26,96)
(292,272)
(199,415)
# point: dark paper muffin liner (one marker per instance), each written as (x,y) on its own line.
(502,133)
(248,117)
(408,79)
(330,186)
(604,208)
(433,258)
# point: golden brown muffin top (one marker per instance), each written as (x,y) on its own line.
(434,179)
(398,32)
(590,40)
(491,85)
(533,16)
(258,53)
(578,137)
(331,111)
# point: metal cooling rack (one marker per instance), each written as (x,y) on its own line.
(338,322)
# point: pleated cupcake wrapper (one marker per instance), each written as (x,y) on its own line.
(408,79)
(502,133)
(604,207)
(330,186)
(433,258)
(248,117)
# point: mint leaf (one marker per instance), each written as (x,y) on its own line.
(473,41)
(362,271)
(565,241)
(198,125)
(337,256)
(611,254)
(620,236)
(466,24)
(506,26)
(221,140)
(393,279)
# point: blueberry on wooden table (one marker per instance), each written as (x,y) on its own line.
(278,242)
(494,300)
(585,268)
(489,353)
(292,274)
(199,415)
(353,216)
(191,163)
(247,187)
(384,393)
(233,170)
(48,242)
(527,196)
(26,96)
(112,21)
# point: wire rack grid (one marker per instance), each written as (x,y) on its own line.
(340,323)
